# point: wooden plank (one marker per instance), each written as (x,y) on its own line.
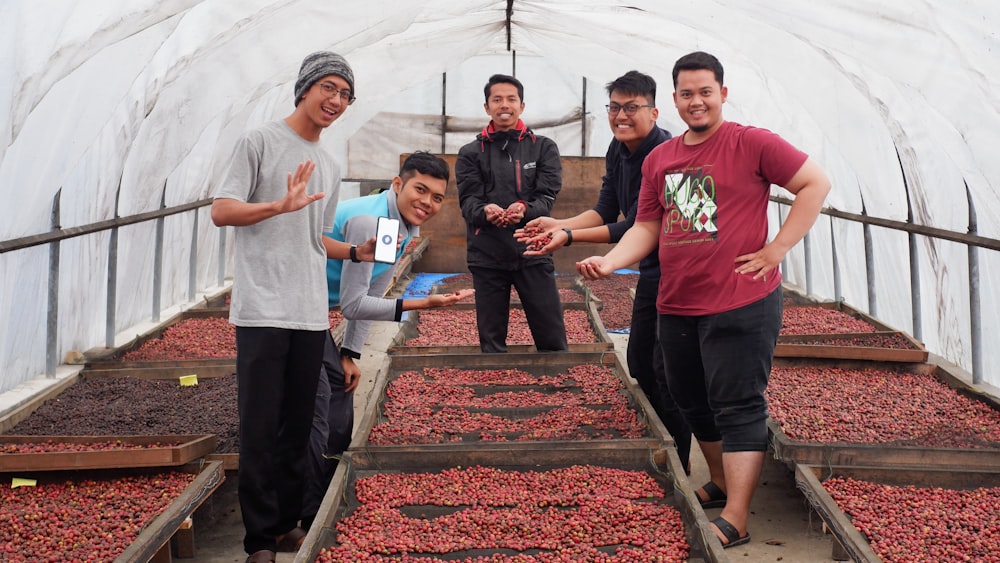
(182,543)
(563,281)
(185,449)
(230,462)
(791,350)
(94,367)
(220,369)
(793,452)
(215,301)
(532,362)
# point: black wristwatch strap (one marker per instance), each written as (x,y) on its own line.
(348,353)
(354,254)
(569,236)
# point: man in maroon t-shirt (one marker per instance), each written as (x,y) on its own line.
(703,204)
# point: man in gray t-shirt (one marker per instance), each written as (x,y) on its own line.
(281,193)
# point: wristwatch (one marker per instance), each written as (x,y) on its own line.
(569,236)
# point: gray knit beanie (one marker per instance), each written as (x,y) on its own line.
(320,64)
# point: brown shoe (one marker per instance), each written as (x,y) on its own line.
(262,556)
(291,540)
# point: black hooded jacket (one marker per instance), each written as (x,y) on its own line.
(503,167)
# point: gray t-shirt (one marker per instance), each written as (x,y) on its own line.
(279,279)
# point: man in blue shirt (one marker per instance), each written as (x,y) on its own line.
(358,288)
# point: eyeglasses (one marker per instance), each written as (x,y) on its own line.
(630,109)
(330,90)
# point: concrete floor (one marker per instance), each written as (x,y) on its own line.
(781,524)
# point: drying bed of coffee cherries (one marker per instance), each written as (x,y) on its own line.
(457,327)
(874,406)
(131,406)
(614,291)
(196,338)
(446,405)
(491,515)
(906,524)
(821,320)
(55,446)
(464,281)
(82,520)
(893,341)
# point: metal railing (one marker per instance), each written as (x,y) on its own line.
(53,238)
(58,234)
(971,240)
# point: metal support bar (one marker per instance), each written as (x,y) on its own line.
(444,111)
(158,259)
(870,270)
(915,309)
(583,119)
(109,322)
(784,261)
(838,288)
(975,310)
(52,320)
(807,251)
(932,232)
(70,232)
(220,278)
(193,260)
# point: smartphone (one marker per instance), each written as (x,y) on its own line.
(385,240)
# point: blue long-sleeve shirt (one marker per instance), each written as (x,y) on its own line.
(358,288)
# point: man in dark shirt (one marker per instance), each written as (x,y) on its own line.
(632,116)
(507,176)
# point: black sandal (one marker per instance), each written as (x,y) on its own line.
(732,535)
(716,498)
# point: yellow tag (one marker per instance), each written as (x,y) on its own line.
(18,482)
(189,380)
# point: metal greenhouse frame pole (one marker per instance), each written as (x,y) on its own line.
(52,320)
(975,313)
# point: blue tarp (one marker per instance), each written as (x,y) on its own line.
(423,284)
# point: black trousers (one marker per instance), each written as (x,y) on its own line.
(536,287)
(332,427)
(645,364)
(718,367)
(276,373)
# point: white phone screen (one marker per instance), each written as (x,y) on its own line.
(385,240)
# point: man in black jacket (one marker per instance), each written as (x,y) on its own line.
(632,116)
(508,176)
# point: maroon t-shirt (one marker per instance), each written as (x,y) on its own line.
(711,201)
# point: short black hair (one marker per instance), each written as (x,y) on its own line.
(698,60)
(634,83)
(503,79)
(424,163)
